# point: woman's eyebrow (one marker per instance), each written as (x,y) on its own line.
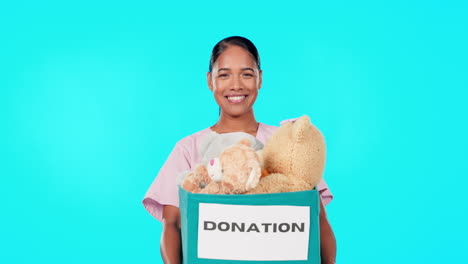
(243,69)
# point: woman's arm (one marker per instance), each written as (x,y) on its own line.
(327,238)
(171,249)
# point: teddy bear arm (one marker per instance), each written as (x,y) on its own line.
(273,183)
(191,183)
(298,185)
(202,173)
(211,188)
(302,184)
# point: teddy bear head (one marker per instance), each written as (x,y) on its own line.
(237,169)
(297,150)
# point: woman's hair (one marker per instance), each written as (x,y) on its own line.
(242,42)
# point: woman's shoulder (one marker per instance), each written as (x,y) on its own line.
(265,131)
(193,139)
(268,127)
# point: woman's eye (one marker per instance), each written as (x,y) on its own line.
(223,75)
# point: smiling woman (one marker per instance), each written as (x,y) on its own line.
(235,78)
(235,86)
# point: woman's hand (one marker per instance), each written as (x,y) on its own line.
(171,249)
(327,238)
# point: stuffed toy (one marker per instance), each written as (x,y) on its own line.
(294,157)
(213,144)
(236,170)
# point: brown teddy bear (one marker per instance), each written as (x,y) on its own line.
(236,170)
(294,157)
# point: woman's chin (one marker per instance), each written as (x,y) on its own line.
(237,113)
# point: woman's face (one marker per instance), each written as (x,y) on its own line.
(235,81)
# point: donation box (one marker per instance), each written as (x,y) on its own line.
(250,228)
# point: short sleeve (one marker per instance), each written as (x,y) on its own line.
(163,190)
(325,192)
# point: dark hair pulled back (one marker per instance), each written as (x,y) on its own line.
(242,42)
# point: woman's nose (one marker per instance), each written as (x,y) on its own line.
(237,83)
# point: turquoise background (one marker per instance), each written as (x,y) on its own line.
(94,95)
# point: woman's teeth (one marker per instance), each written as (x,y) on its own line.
(236,99)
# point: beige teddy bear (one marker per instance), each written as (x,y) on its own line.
(294,157)
(236,170)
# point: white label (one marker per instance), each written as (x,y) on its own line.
(247,232)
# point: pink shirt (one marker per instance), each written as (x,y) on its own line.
(184,156)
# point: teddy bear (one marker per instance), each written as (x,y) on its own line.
(214,143)
(294,157)
(236,170)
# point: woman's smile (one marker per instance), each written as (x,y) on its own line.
(236,99)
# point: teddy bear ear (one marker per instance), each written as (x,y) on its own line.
(245,141)
(299,127)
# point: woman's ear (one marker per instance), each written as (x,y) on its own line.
(209,80)
(260,79)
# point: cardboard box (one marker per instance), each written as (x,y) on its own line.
(255,228)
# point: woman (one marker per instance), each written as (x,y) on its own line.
(234,77)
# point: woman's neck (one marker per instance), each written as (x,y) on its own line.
(228,124)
